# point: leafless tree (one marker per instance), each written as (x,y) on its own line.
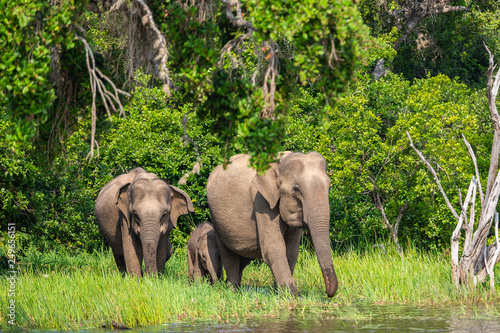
(477,259)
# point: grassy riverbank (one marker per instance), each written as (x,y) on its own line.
(84,291)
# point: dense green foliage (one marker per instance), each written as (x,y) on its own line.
(449,44)
(325,100)
(457,53)
(324,50)
(31,35)
(372,154)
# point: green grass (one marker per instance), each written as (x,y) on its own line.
(84,291)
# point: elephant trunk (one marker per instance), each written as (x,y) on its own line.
(150,235)
(317,219)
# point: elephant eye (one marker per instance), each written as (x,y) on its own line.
(165,214)
(296,189)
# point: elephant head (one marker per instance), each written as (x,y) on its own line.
(299,184)
(151,208)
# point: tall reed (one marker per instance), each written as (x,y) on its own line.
(63,292)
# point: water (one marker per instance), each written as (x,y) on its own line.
(375,319)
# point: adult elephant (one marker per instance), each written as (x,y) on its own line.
(136,212)
(262,216)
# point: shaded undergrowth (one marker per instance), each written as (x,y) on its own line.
(87,291)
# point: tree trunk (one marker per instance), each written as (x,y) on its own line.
(477,259)
(412,13)
(393,230)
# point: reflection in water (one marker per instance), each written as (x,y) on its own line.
(471,325)
(452,325)
(381,319)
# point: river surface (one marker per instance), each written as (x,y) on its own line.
(371,319)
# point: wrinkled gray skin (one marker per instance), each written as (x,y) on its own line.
(203,254)
(136,212)
(262,216)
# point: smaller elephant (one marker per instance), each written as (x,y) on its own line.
(136,212)
(203,254)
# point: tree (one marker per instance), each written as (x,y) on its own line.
(478,259)
(372,157)
(33,35)
(407,15)
(435,36)
(236,62)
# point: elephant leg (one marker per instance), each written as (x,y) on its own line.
(163,253)
(205,273)
(191,264)
(214,269)
(272,244)
(120,262)
(243,263)
(212,276)
(292,241)
(132,251)
(198,271)
(280,268)
(231,264)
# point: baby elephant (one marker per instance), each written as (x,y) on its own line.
(203,254)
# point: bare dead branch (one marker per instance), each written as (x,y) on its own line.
(493,86)
(236,17)
(469,227)
(237,20)
(490,264)
(436,179)
(388,225)
(265,75)
(233,44)
(451,9)
(496,254)
(477,260)
(473,156)
(97,85)
(492,92)
(401,212)
(116,5)
(269,82)
(484,225)
(332,54)
(234,14)
(455,237)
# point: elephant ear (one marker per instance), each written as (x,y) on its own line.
(283,154)
(268,185)
(181,204)
(122,201)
